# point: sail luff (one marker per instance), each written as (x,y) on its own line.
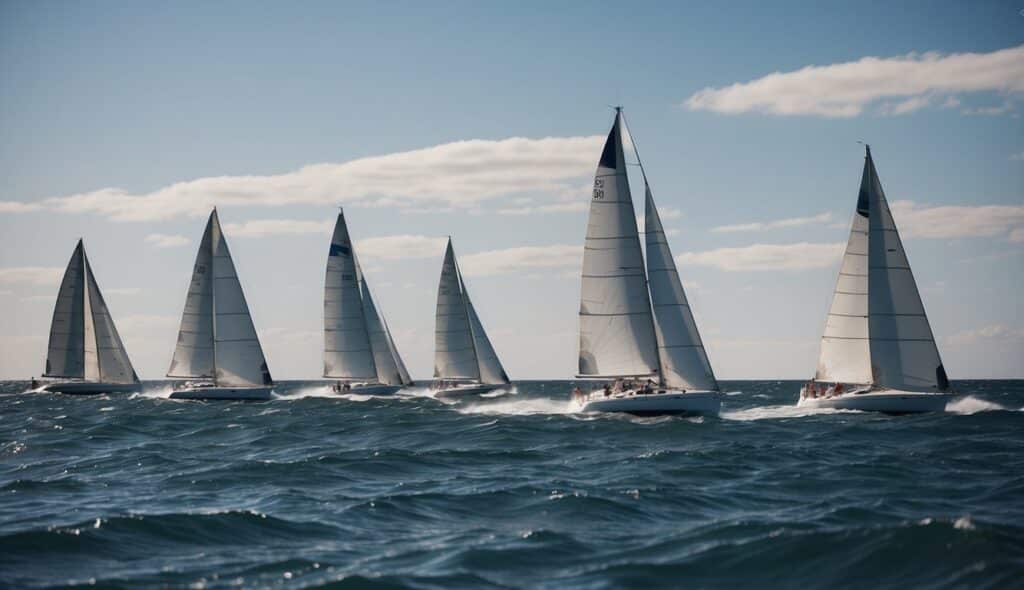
(904,355)
(454,347)
(683,360)
(65,356)
(616,325)
(348,351)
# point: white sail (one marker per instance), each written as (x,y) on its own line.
(616,328)
(112,363)
(348,353)
(403,373)
(877,331)
(684,362)
(845,349)
(217,338)
(385,356)
(903,351)
(491,371)
(455,354)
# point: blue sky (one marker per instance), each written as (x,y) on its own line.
(109,110)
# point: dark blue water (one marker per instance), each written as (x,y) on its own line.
(512,491)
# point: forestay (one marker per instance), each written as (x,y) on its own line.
(616,327)
(348,353)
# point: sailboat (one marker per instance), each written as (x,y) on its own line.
(637,331)
(358,349)
(878,352)
(465,362)
(85,354)
(218,350)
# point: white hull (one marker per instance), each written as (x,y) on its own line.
(468,389)
(703,403)
(224,393)
(889,401)
(370,389)
(87,387)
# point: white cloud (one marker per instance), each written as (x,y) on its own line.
(567,207)
(993,332)
(1002,109)
(799,256)
(18,207)
(1017,235)
(957,221)
(822,218)
(1018,157)
(167,240)
(401,247)
(510,260)
(145,323)
(33,275)
(6,292)
(259,228)
(123,291)
(461,174)
(847,89)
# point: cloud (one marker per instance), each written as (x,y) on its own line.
(167,240)
(1017,235)
(847,89)
(277,227)
(567,207)
(123,291)
(461,174)
(145,323)
(401,247)
(822,218)
(799,256)
(39,298)
(1018,157)
(32,275)
(1006,107)
(525,258)
(994,332)
(18,207)
(958,221)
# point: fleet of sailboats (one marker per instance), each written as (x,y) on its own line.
(218,350)
(85,354)
(637,332)
(877,351)
(359,353)
(653,356)
(465,362)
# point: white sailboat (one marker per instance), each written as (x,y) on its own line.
(654,361)
(359,352)
(85,354)
(218,350)
(878,352)
(465,362)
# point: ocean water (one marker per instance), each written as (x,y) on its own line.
(315,490)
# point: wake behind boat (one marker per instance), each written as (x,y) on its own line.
(465,362)
(656,358)
(218,350)
(878,352)
(359,353)
(85,354)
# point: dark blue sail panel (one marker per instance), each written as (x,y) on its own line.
(340,250)
(608,157)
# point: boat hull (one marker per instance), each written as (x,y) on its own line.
(224,393)
(888,401)
(467,390)
(694,403)
(372,389)
(87,387)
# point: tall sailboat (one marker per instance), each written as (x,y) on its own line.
(878,352)
(465,362)
(359,352)
(637,331)
(218,350)
(85,354)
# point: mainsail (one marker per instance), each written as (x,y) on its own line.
(455,355)
(616,326)
(217,339)
(84,343)
(348,353)
(877,331)
(684,362)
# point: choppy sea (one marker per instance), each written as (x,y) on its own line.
(314,489)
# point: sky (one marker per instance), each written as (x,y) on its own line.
(124,123)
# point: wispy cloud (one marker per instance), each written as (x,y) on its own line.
(277,227)
(126,291)
(915,220)
(847,89)
(998,332)
(526,258)
(1018,157)
(821,218)
(167,240)
(18,207)
(992,111)
(461,174)
(401,247)
(567,207)
(759,257)
(31,275)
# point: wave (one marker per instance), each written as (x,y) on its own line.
(972,405)
(780,412)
